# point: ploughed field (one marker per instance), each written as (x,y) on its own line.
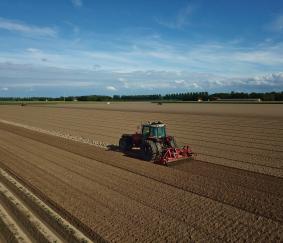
(243,136)
(232,191)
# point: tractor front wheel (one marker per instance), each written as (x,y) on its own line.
(125,144)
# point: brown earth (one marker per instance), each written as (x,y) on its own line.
(218,197)
(124,199)
(250,110)
(248,137)
(26,218)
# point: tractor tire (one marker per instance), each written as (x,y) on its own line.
(150,151)
(159,151)
(125,144)
(173,143)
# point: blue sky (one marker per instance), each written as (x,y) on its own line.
(76,47)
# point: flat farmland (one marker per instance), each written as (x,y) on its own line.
(248,137)
(231,191)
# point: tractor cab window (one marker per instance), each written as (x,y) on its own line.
(158,132)
(154,132)
(145,131)
(161,132)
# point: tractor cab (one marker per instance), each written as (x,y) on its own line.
(154,130)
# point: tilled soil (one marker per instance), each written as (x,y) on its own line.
(124,199)
(26,218)
(248,137)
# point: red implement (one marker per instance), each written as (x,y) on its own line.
(174,154)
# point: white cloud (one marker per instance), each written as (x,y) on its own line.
(111,88)
(33,50)
(196,86)
(124,82)
(180,81)
(263,56)
(267,79)
(77,3)
(143,64)
(195,58)
(181,20)
(150,81)
(4,89)
(16,26)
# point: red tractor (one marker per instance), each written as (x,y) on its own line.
(154,144)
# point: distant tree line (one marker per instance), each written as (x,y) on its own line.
(194,96)
(188,96)
(61,98)
(137,97)
(92,98)
(30,98)
(269,96)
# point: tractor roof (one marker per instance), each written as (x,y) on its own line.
(155,124)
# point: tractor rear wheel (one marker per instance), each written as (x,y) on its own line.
(125,144)
(159,151)
(150,151)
